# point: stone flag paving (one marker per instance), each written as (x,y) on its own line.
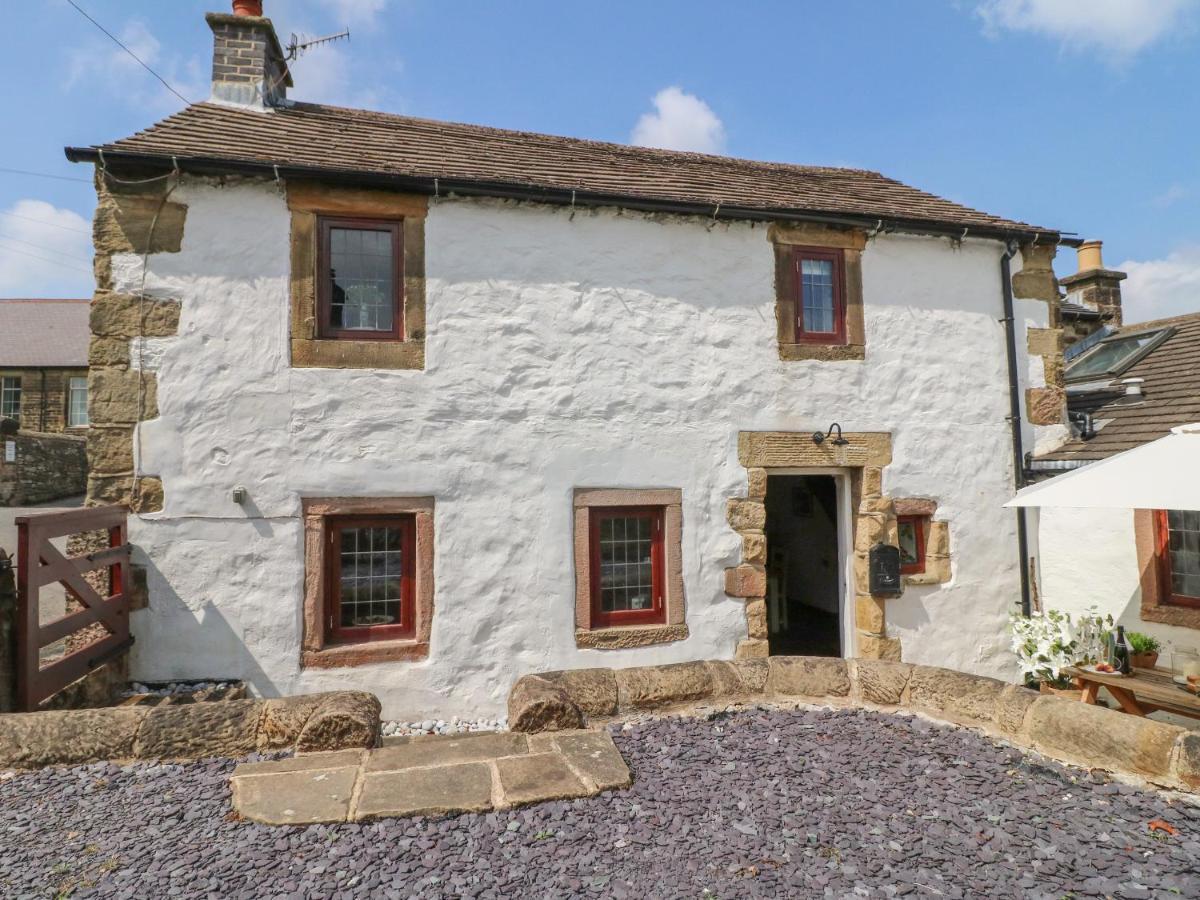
(429,775)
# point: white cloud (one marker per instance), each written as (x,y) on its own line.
(680,121)
(1172,195)
(356,12)
(1121,26)
(1157,288)
(324,75)
(44,251)
(98,61)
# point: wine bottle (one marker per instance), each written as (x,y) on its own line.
(1121,652)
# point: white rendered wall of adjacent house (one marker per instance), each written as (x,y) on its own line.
(613,350)
(1088,561)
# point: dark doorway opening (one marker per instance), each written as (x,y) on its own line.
(803,572)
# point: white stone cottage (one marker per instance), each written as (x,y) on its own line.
(420,407)
(1127,384)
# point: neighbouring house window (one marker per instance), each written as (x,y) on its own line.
(371,570)
(911,532)
(627,565)
(368,580)
(820,310)
(77,408)
(1179,556)
(1114,355)
(10,397)
(361,280)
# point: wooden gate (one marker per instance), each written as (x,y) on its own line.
(105,609)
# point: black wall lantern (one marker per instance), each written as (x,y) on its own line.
(884,566)
(838,441)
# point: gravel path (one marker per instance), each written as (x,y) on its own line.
(749,804)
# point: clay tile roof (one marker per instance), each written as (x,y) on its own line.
(327,139)
(43,333)
(1172,395)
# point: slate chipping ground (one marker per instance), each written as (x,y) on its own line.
(759,803)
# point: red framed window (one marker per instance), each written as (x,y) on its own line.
(1178,553)
(911,533)
(370,570)
(360,280)
(820,286)
(626,544)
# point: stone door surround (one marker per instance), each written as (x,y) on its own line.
(864,456)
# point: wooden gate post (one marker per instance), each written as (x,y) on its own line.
(8,635)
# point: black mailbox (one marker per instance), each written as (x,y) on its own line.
(884,563)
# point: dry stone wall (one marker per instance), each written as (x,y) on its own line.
(46,467)
(1067,730)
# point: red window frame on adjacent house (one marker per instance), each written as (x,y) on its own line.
(325,329)
(656,614)
(919,524)
(1162,552)
(406,627)
(836,257)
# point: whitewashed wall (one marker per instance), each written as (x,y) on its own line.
(617,350)
(1089,560)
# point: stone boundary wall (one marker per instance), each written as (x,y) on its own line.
(47,467)
(1063,729)
(338,720)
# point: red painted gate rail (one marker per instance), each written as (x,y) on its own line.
(40,563)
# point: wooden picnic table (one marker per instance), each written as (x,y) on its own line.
(1145,691)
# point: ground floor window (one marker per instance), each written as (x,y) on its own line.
(1179,556)
(77,408)
(368,579)
(627,565)
(10,397)
(371,569)
(911,532)
(628,569)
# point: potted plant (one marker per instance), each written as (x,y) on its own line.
(1143,650)
(1049,642)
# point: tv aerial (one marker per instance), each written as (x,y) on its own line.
(296,46)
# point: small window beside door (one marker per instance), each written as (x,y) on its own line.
(911,531)
(1179,556)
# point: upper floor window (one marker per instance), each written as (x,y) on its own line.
(360,280)
(1178,547)
(820,306)
(77,408)
(10,397)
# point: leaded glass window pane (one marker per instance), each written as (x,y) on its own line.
(1183,544)
(816,291)
(362,294)
(626,563)
(371,567)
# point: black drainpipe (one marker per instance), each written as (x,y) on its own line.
(42,416)
(1014,418)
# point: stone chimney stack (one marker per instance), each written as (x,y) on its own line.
(1093,286)
(249,69)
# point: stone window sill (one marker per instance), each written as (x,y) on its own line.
(625,637)
(339,354)
(823,352)
(334,656)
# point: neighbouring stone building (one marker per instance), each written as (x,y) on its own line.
(44,398)
(419,407)
(1127,384)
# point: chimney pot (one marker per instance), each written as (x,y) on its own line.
(1090,256)
(248,8)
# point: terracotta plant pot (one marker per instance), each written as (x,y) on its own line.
(1144,660)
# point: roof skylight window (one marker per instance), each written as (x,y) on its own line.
(1114,355)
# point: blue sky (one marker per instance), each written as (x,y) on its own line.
(1075,114)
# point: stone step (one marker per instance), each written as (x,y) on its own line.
(429,775)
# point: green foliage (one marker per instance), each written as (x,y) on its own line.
(1142,643)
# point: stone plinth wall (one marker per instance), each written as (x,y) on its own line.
(1063,729)
(231,728)
(47,467)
